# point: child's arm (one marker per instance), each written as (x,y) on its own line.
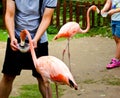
(106,6)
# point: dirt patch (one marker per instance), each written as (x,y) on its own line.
(89,57)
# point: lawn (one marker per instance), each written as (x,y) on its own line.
(97,31)
(31,91)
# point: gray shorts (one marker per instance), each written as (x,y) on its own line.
(15,61)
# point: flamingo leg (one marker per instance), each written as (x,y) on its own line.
(64,50)
(57,95)
(47,92)
(67,46)
(69,54)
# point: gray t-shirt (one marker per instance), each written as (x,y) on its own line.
(28,16)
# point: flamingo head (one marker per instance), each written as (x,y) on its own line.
(22,46)
(95,8)
(22,35)
(55,38)
(73,84)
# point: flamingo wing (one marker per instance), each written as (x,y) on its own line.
(68,30)
(55,70)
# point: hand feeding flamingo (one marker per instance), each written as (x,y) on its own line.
(50,68)
(69,29)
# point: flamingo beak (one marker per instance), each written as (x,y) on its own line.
(98,11)
(55,38)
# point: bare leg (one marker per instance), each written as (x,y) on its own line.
(4,8)
(6,85)
(42,88)
(117,54)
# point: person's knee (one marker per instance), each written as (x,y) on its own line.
(40,80)
(8,78)
(117,39)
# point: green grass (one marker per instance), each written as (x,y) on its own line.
(31,91)
(3,35)
(111,80)
(52,31)
(89,81)
(28,91)
(98,31)
(104,31)
(107,80)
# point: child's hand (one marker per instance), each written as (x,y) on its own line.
(104,14)
(111,12)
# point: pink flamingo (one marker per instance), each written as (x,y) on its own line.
(69,29)
(50,68)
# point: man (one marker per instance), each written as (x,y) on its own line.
(35,16)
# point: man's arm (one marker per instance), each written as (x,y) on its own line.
(4,8)
(9,21)
(45,22)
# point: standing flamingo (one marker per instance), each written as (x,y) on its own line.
(50,68)
(69,29)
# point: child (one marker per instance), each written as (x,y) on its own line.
(112,7)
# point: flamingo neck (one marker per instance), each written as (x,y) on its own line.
(31,48)
(88,22)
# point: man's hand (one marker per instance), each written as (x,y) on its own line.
(14,44)
(34,43)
